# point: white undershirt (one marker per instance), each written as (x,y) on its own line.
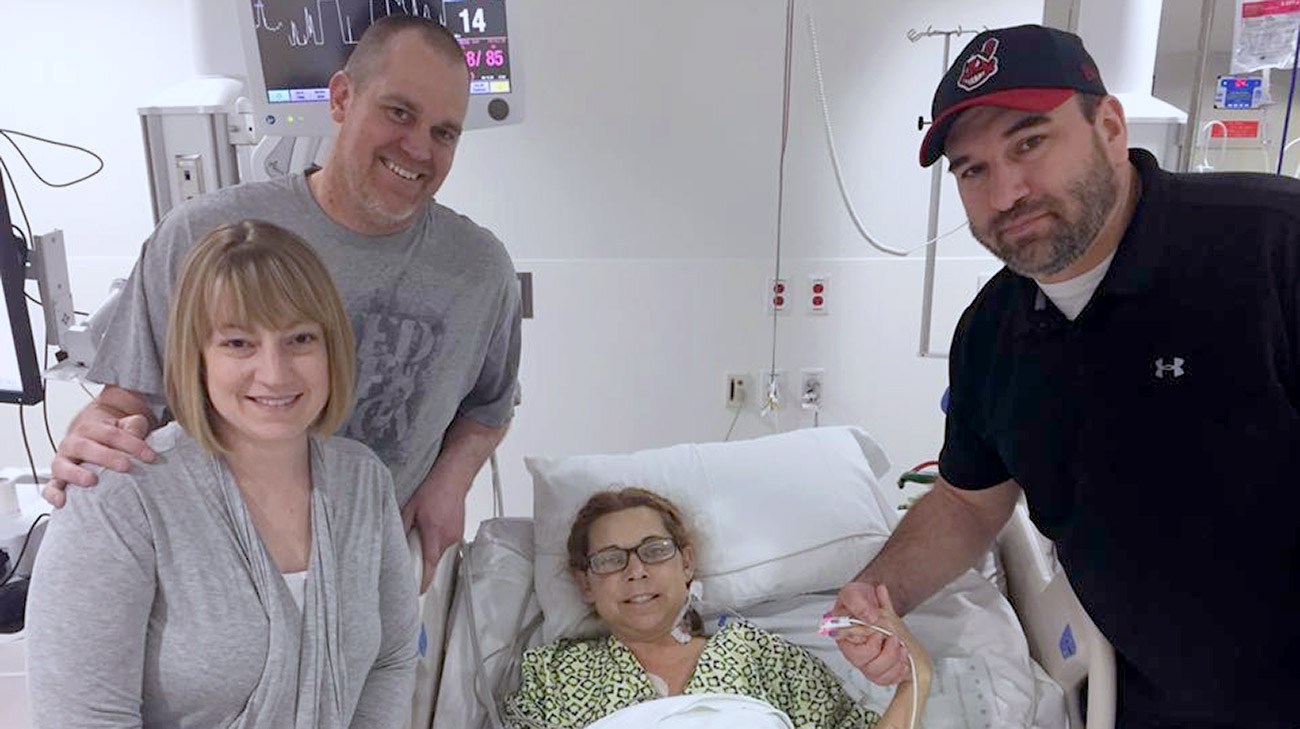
(297,584)
(1072,295)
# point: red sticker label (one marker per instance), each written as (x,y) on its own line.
(1269,7)
(1236,128)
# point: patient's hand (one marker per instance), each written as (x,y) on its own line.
(881,658)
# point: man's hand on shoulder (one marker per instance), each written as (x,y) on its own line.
(108,432)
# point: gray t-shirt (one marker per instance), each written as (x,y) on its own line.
(154,602)
(435,310)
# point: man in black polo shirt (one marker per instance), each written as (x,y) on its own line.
(1135,371)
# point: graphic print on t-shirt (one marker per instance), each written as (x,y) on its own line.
(393,354)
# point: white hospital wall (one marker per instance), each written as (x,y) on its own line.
(640,191)
(656,179)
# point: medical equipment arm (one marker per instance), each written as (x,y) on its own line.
(107,432)
(88,612)
(940,537)
(437,508)
(385,698)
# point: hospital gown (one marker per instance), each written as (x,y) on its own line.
(572,683)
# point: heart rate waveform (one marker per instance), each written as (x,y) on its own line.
(301,43)
(316,23)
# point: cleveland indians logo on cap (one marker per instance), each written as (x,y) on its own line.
(979,67)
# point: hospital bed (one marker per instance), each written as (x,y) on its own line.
(781,523)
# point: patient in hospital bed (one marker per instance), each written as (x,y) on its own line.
(633,559)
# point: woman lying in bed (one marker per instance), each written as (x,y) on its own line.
(632,557)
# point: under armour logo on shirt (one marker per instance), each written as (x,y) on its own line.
(1175,369)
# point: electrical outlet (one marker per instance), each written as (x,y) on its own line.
(777,295)
(740,385)
(189,175)
(811,388)
(818,291)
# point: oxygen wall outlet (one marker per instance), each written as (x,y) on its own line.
(771,387)
(811,388)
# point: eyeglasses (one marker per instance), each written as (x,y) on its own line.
(651,550)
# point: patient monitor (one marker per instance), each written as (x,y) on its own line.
(292,47)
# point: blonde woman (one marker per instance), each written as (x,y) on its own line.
(256,574)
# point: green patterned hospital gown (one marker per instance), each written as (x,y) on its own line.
(572,683)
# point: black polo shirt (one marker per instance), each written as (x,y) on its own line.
(1157,438)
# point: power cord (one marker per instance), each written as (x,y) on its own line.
(27,444)
(6,132)
(734,419)
(23,551)
(26,232)
(25,238)
(787,73)
(835,161)
(45,403)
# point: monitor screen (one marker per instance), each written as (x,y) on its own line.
(292,47)
(20,375)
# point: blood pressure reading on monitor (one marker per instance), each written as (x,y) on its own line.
(302,42)
(480,26)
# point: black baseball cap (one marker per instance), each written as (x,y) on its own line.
(1028,67)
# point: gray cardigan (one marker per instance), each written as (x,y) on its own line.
(154,604)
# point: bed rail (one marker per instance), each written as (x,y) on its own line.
(1062,638)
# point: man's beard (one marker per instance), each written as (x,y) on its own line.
(1093,193)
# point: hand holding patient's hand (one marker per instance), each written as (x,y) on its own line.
(99,435)
(881,658)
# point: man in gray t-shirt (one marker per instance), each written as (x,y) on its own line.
(431,295)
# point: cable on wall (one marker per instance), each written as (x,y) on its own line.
(835,160)
(26,239)
(1290,99)
(771,403)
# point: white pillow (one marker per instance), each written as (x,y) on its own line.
(785,514)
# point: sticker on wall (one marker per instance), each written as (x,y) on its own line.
(1236,129)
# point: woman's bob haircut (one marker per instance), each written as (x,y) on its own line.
(255,275)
